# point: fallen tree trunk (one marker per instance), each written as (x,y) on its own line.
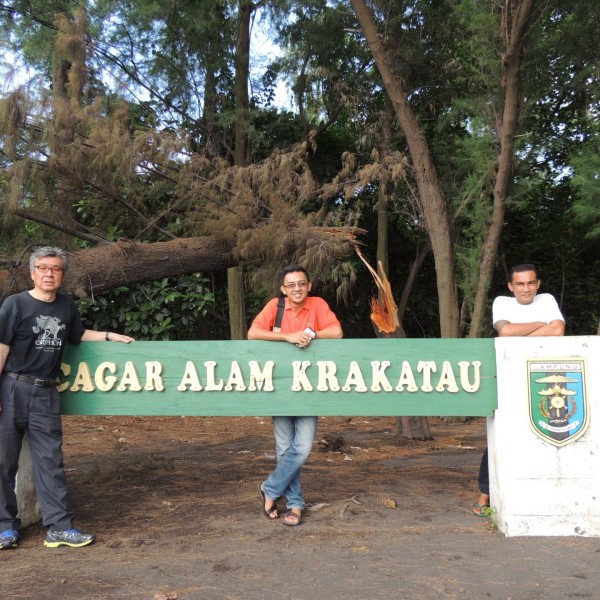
(96,270)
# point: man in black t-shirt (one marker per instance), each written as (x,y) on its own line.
(35,326)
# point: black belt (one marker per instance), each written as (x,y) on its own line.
(40,382)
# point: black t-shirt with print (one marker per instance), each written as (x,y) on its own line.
(37,333)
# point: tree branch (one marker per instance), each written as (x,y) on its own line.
(30,216)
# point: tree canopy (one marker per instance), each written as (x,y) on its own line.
(141,129)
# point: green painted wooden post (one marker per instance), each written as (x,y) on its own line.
(349,377)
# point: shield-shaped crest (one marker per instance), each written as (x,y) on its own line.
(558,405)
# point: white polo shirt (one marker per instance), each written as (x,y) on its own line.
(543,308)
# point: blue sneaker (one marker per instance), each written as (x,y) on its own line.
(9,539)
(70,537)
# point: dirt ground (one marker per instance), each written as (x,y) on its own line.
(175,507)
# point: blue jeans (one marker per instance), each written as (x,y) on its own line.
(294,437)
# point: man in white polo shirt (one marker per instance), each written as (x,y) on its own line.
(526,314)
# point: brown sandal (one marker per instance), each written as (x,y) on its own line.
(292,519)
(268,512)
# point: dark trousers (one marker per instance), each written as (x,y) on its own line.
(35,410)
(484,474)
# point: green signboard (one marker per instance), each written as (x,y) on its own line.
(376,377)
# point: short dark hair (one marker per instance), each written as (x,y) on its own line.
(45,251)
(523,267)
(293,269)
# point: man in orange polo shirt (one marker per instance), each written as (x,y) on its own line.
(305,318)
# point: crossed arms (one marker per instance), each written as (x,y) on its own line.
(534,329)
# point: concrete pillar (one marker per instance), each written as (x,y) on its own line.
(29,508)
(537,487)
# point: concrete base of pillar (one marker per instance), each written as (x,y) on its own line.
(537,488)
(29,508)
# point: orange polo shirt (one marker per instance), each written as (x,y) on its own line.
(315,314)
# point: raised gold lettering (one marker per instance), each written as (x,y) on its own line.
(300,380)
(379,378)
(190,378)
(236,379)
(129,379)
(153,376)
(426,367)
(211,384)
(83,379)
(105,383)
(327,379)
(464,375)
(407,379)
(355,378)
(66,371)
(261,380)
(447,379)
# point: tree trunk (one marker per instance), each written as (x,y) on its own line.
(415,265)
(418,425)
(237,306)
(382,229)
(210,100)
(235,276)
(514,29)
(238,327)
(95,270)
(386,324)
(413,428)
(242,74)
(382,195)
(433,203)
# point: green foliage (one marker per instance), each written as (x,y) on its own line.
(154,167)
(271,130)
(178,51)
(324,62)
(587,183)
(170,309)
(540,230)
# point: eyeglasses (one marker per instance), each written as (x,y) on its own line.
(300,284)
(46,268)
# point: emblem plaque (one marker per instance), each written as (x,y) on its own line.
(558,406)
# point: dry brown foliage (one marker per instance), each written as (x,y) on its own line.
(78,155)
